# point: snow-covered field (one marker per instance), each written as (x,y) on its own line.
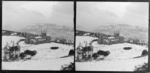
(8,39)
(45,59)
(118,59)
(82,39)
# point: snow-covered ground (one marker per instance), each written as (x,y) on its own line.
(82,39)
(118,59)
(8,39)
(111,65)
(45,59)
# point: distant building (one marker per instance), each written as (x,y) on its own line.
(29,39)
(101,39)
(116,33)
(116,38)
(43,38)
(13,34)
(86,34)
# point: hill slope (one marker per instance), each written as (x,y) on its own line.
(125,30)
(52,30)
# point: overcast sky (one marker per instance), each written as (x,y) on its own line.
(93,14)
(17,14)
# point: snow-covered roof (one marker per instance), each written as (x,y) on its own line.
(13,33)
(38,37)
(111,37)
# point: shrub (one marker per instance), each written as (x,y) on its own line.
(145,52)
(95,55)
(142,68)
(69,67)
(54,48)
(71,52)
(101,52)
(127,48)
(27,54)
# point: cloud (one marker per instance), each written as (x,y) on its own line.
(43,7)
(21,18)
(63,14)
(22,13)
(139,8)
(64,7)
(137,14)
(10,5)
(85,6)
(92,14)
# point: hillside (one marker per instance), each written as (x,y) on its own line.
(125,30)
(52,30)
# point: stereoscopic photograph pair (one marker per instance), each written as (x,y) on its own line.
(75,36)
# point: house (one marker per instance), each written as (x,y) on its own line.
(32,39)
(13,34)
(86,34)
(108,39)
(29,39)
(102,39)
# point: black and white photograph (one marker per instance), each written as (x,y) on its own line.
(38,35)
(112,36)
